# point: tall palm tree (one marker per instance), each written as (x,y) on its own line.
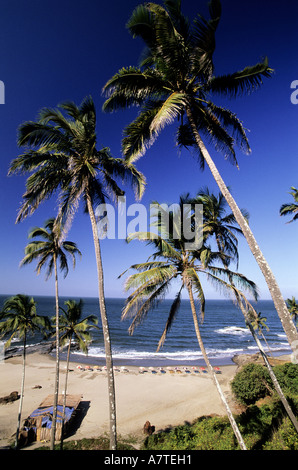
(291,208)
(74,329)
(172,261)
(223,226)
(19,319)
(176,81)
(48,252)
(63,158)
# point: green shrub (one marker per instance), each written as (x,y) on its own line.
(207,433)
(283,438)
(251,384)
(214,433)
(287,376)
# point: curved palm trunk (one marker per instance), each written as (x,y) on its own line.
(274,289)
(265,340)
(212,373)
(65,390)
(55,402)
(106,331)
(22,395)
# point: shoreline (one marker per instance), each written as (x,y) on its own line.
(154,360)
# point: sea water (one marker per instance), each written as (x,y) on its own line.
(223,331)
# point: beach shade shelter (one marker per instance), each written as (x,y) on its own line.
(40,420)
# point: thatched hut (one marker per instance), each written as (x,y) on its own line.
(39,423)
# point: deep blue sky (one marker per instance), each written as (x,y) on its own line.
(54,51)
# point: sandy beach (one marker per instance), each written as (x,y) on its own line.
(164,399)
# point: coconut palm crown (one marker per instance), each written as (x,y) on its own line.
(176,76)
(61,155)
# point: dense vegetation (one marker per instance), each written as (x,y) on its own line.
(263,423)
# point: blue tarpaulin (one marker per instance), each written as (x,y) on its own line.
(47,415)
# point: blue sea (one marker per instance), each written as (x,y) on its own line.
(223,332)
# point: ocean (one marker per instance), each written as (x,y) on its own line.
(223,332)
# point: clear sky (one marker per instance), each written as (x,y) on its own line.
(53,51)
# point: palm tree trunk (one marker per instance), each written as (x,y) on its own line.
(266,342)
(55,402)
(65,391)
(212,373)
(22,394)
(105,327)
(273,287)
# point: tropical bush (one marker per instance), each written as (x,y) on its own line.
(251,384)
(287,376)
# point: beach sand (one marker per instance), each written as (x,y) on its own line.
(163,399)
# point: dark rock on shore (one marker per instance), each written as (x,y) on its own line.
(13,396)
(243,359)
(41,348)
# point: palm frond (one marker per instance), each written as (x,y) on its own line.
(155,275)
(164,246)
(140,24)
(138,135)
(131,86)
(233,280)
(192,276)
(150,303)
(233,125)
(171,318)
(172,108)
(243,82)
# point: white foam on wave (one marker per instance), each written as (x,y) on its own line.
(233,330)
(181,355)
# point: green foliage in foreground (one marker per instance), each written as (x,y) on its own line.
(101,443)
(263,427)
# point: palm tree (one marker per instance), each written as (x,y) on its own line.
(48,252)
(175,81)
(63,158)
(19,319)
(259,323)
(74,329)
(223,226)
(220,224)
(172,261)
(291,208)
(293,307)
